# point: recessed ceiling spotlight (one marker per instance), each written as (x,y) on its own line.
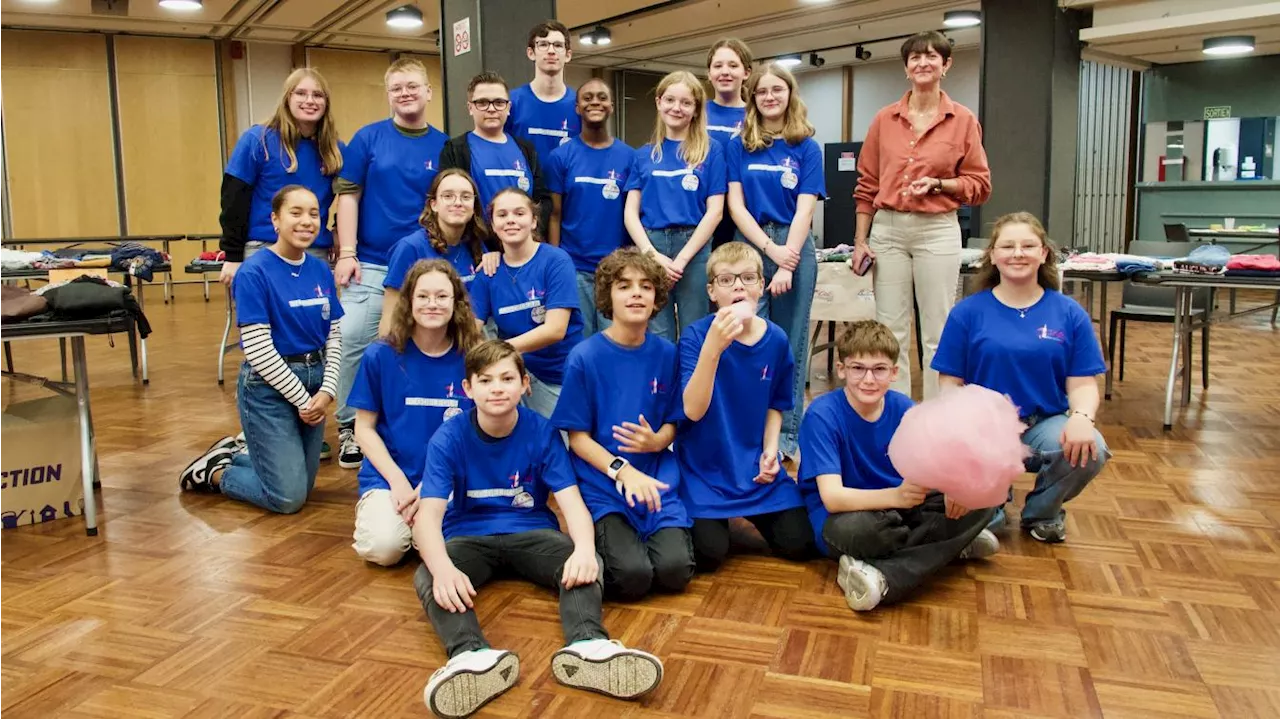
(961,18)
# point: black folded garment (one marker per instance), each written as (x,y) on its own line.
(88,297)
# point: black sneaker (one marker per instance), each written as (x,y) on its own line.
(349,454)
(195,478)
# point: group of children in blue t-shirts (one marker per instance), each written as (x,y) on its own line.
(651,428)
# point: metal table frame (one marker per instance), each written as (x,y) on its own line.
(75,331)
(204,269)
(1185,324)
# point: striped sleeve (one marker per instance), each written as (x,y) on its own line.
(261,354)
(332,359)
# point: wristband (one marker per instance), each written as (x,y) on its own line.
(1082,414)
(616,466)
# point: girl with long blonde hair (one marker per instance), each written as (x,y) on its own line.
(298,146)
(775,183)
(675,198)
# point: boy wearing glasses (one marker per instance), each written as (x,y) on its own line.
(542,112)
(889,535)
(735,377)
(493,158)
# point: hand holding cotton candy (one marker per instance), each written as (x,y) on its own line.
(965,443)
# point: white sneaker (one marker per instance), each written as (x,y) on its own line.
(607,667)
(864,586)
(470,680)
(984,545)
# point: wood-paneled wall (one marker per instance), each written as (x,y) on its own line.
(357,94)
(58,141)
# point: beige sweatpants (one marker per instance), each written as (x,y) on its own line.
(917,256)
(381,535)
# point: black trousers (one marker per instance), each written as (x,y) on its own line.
(788,533)
(632,567)
(906,545)
(538,556)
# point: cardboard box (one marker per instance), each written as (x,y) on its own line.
(40,462)
(842,296)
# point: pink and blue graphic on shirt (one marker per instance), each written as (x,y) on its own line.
(1045,333)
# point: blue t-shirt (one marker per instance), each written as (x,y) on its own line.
(259,159)
(297,301)
(835,440)
(724,123)
(774,177)
(518,299)
(546,125)
(590,182)
(496,485)
(672,193)
(720,454)
(1028,358)
(394,172)
(416,247)
(412,394)
(497,165)
(606,384)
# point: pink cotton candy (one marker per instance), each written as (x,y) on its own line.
(965,443)
(743,310)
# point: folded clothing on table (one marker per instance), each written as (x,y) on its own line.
(1261,263)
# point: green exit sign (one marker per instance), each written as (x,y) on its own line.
(1217,113)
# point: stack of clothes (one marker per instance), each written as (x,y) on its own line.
(130,257)
(79,299)
(1253,266)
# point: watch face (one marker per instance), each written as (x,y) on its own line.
(617,464)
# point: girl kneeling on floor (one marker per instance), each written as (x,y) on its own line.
(288,313)
(408,384)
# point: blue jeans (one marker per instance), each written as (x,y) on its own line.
(280,468)
(592,320)
(1057,482)
(543,398)
(690,293)
(791,311)
(362,310)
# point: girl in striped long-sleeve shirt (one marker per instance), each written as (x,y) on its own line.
(288,313)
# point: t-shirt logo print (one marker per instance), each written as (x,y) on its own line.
(522,500)
(764,374)
(430,165)
(656,387)
(1045,333)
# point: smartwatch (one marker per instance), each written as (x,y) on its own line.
(616,466)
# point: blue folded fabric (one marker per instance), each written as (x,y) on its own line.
(1210,255)
(1135,265)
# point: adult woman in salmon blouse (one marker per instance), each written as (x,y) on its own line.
(921,160)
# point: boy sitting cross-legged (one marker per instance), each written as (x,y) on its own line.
(889,535)
(618,403)
(484,513)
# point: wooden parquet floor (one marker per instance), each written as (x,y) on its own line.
(1164,602)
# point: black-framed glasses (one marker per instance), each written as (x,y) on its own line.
(486,104)
(878,372)
(749,279)
(545,45)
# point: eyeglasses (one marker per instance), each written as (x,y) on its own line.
(449,198)
(878,372)
(1011,249)
(412,88)
(484,104)
(749,279)
(545,45)
(436,300)
(775,91)
(310,95)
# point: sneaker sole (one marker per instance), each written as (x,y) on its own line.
(853,584)
(980,549)
(326,455)
(1054,539)
(464,693)
(622,676)
(346,464)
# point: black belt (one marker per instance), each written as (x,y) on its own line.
(312,357)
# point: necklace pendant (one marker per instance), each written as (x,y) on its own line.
(1022,314)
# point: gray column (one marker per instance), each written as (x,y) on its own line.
(1029,104)
(499,35)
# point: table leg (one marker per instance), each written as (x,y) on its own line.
(1103,328)
(226,333)
(62,352)
(168,276)
(8,356)
(831,350)
(88,455)
(142,343)
(1188,343)
(1178,293)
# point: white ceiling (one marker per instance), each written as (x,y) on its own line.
(676,34)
